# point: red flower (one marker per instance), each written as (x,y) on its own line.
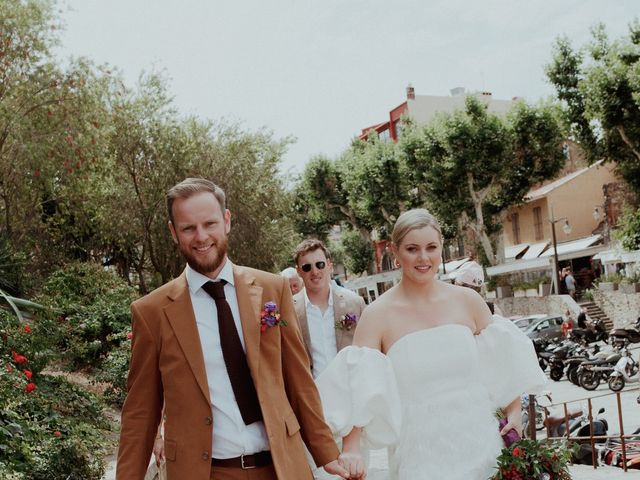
(28,373)
(57,433)
(129,335)
(19,358)
(30,387)
(27,329)
(518,453)
(9,368)
(36,173)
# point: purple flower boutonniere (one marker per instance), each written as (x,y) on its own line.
(347,321)
(270,317)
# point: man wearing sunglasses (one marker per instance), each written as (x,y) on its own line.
(322,306)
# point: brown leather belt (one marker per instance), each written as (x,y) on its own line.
(261,459)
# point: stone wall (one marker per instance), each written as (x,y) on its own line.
(621,308)
(551,305)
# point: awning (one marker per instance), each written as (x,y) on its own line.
(576,248)
(630,257)
(453,265)
(535,250)
(609,256)
(515,251)
(530,265)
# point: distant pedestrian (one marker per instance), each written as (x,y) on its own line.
(567,324)
(570,283)
(582,318)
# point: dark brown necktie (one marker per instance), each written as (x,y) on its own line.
(234,357)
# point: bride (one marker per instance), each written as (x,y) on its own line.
(428,369)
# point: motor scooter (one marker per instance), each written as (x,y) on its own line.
(625,371)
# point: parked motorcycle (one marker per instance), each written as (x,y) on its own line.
(624,371)
(584,454)
(630,333)
(538,408)
(594,332)
(590,373)
(566,350)
(578,357)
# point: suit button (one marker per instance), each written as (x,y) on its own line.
(208,420)
(205,456)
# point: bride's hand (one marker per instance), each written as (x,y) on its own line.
(353,463)
(514,421)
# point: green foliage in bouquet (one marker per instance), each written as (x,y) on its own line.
(529,459)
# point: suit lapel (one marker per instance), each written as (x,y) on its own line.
(338,311)
(249,303)
(183,322)
(301,311)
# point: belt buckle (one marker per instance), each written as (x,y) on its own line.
(249,467)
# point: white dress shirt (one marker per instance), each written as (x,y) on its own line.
(322,331)
(232,437)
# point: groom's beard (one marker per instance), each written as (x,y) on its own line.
(209,264)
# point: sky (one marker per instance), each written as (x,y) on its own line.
(321,70)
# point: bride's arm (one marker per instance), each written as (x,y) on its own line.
(351,458)
(368,334)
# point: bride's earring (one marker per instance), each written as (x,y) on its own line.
(396,263)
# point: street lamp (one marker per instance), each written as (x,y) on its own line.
(567,230)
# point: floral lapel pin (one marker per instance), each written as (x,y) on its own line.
(270,317)
(347,321)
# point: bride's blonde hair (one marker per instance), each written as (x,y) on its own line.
(413,220)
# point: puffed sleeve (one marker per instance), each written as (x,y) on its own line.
(508,362)
(358,389)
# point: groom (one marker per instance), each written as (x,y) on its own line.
(233,377)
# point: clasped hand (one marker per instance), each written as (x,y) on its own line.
(349,465)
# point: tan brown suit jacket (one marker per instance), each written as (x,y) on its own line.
(167,367)
(344,301)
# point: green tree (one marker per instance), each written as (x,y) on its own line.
(377,183)
(470,166)
(599,85)
(320,200)
(358,252)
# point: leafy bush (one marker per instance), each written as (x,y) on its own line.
(628,231)
(52,431)
(114,370)
(91,308)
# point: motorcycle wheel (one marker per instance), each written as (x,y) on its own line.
(556,373)
(572,375)
(589,380)
(616,383)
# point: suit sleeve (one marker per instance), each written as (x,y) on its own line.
(301,388)
(143,406)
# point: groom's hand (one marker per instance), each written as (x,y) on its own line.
(335,468)
(354,464)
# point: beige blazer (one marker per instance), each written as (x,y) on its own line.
(344,301)
(167,367)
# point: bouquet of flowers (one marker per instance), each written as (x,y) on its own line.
(530,459)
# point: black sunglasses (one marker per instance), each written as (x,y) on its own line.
(307,266)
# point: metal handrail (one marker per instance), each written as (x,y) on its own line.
(592,438)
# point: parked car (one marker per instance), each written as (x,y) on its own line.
(523,322)
(548,327)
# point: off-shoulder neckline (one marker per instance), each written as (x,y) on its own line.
(423,330)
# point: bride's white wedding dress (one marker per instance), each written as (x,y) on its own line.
(432,398)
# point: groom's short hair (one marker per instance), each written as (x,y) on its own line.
(310,245)
(190,187)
